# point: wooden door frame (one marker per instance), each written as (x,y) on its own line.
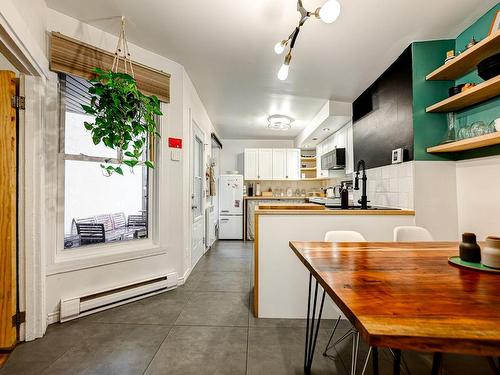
(29,59)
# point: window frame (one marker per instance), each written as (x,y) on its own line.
(64,260)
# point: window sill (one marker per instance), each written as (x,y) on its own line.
(101,255)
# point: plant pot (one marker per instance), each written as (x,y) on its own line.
(490,253)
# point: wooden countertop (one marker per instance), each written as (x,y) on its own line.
(274,198)
(407,296)
(316,209)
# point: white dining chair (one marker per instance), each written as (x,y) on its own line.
(345,236)
(411,234)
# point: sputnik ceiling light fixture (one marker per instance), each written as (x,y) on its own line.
(328,13)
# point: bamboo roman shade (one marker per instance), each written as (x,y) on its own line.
(68,55)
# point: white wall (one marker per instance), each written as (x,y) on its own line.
(478,196)
(232,151)
(31,21)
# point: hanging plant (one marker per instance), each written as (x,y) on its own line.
(124,118)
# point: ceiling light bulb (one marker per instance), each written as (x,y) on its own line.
(283,72)
(330,11)
(279,48)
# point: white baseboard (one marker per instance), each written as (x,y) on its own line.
(53,318)
(183,278)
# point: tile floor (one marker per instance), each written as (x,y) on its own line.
(203,327)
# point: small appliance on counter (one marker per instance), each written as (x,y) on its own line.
(231,207)
(257,190)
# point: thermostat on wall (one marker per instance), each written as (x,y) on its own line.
(397,156)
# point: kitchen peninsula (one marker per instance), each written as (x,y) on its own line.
(280,281)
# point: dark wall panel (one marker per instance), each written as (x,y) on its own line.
(390,123)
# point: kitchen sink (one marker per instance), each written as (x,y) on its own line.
(337,207)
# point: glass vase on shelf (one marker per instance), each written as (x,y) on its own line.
(451,135)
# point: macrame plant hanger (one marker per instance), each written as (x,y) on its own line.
(122,53)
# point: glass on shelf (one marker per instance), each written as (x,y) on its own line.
(451,135)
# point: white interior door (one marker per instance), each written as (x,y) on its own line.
(198,225)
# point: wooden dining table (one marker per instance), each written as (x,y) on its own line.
(404,296)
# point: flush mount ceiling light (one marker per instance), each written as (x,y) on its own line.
(279,122)
(328,13)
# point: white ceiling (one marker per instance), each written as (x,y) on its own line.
(226,47)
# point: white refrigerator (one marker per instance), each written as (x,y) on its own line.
(231,207)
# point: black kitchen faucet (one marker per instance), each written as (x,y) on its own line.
(364,199)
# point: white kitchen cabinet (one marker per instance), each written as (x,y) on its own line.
(279,164)
(292,164)
(265,164)
(251,164)
(272,164)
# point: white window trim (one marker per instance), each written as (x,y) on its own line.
(66,260)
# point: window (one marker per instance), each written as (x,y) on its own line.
(97,209)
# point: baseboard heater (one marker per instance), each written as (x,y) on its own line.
(72,308)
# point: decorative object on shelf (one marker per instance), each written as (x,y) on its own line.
(490,253)
(469,249)
(451,134)
(467,86)
(496,124)
(476,129)
(495,24)
(489,67)
(124,116)
(450,55)
(328,13)
(279,122)
(472,43)
(454,90)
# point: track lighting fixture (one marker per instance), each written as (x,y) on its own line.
(328,13)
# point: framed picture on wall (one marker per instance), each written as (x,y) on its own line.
(495,24)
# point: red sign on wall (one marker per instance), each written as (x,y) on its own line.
(175,142)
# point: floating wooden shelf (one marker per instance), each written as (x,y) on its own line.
(308,169)
(467,61)
(308,159)
(468,144)
(480,93)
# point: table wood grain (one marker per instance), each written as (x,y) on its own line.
(407,295)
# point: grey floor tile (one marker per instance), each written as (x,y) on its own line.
(201,350)
(224,282)
(326,324)
(120,349)
(215,309)
(281,351)
(215,263)
(192,281)
(35,356)
(163,309)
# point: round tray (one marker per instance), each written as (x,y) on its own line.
(455,260)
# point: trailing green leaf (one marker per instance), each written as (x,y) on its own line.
(124,118)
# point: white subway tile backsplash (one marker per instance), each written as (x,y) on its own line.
(391,185)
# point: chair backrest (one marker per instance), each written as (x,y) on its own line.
(344,236)
(90,233)
(411,234)
(119,220)
(106,221)
(137,221)
(87,220)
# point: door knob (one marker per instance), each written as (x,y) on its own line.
(194,207)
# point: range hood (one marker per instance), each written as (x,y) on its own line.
(331,117)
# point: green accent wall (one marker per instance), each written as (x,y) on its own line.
(430,128)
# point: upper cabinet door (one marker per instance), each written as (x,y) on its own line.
(251,164)
(279,164)
(265,164)
(292,164)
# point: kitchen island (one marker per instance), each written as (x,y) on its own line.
(280,280)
